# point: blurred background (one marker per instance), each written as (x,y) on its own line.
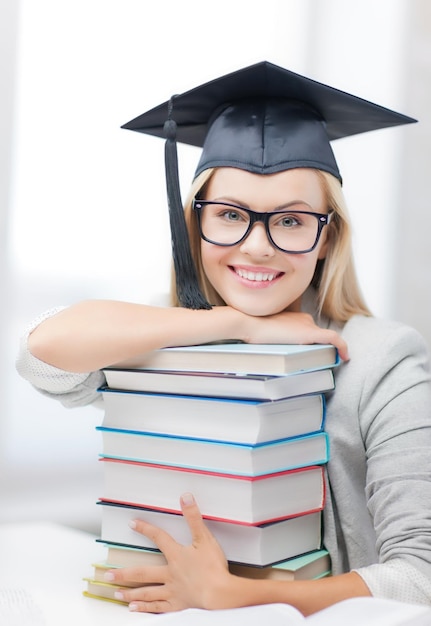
(82,202)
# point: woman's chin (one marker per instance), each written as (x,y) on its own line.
(256,309)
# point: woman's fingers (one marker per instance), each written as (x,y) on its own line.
(155,606)
(330,336)
(149,593)
(148,599)
(193,517)
(156,574)
(158,536)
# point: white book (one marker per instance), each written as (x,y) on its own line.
(250,500)
(251,386)
(239,358)
(219,419)
(213,456)
(257,545)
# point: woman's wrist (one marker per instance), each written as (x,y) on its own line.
(235,591)
(232,323)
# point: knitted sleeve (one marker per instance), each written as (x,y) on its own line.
(385,580)
(71,389)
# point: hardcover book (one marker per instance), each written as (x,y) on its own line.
(219,419)
(242,543)
(239,358)
(214,456)
(250,500)
(249,386)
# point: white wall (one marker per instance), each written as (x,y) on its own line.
(87,210)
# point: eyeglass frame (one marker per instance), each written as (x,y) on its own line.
(323,219)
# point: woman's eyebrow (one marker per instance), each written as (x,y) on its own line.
(229,200)
(280,207)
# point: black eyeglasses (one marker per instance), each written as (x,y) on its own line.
(224,224)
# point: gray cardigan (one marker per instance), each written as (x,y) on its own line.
(379,475)
(377,518)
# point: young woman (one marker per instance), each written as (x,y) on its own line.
(272,252)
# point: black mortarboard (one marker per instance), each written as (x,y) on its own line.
(263,119)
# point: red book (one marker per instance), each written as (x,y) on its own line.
(245,499)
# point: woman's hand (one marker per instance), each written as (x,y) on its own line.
(291,327)
(196,575)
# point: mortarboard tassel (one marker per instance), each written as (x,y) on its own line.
(188,290)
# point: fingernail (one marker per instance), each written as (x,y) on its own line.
(187,499)
(132,524)
(118,595)
(133,606)
(109,576)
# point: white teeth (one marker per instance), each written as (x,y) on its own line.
(257,276)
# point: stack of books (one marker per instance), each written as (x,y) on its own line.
(241,427)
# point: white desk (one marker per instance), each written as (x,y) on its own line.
(49,562)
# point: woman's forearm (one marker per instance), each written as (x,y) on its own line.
(94,334)
(307,596)
(97,333)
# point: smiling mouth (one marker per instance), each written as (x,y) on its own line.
(257,276)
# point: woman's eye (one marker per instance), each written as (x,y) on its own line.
(288,221)
(231,216)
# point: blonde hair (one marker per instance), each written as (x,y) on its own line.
(338,294)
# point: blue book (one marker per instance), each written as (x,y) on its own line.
(219,419)
(213,456)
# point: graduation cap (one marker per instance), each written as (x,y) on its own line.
(262,118)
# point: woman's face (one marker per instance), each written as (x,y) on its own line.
(253,276)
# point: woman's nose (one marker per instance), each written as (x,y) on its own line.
(257,243)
